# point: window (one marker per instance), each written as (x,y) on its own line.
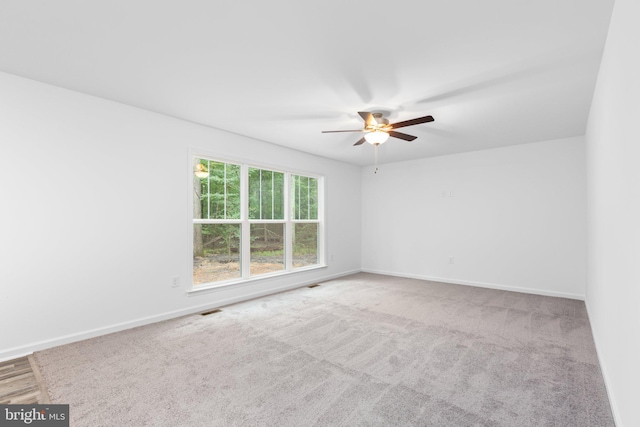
(250,221)
(216,221)
(304,196)
(267,221)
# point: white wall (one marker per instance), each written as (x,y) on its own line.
(513,218)
(94,217)
(613,170)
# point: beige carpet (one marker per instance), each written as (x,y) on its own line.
(363,350)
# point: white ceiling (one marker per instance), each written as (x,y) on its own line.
(492,72)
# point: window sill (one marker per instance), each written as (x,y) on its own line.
(239,282)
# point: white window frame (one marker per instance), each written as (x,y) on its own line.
(245,222)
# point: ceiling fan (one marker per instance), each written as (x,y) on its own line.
(378,129)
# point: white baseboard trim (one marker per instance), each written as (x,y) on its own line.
(16,352)
(605,376)
(478,284)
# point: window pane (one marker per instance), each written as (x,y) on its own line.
(216,252)
(304,194)
(305,244)
(267,248)
(217,188)
(266,194)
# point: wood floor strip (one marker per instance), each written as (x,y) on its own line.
(21,382)
(8,381)
(13,374)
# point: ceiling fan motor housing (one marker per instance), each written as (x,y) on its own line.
(380,119)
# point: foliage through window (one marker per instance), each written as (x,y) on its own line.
(274,227)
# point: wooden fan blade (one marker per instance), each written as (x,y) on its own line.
(335,131)
(369,120)
(412,122)
(401,135)
(360,141)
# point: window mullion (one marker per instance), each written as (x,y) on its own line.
(322,256)
(299,199)
(288,227)
(308,198)
(209,190)
(260,193)
(225,191)
(245,246)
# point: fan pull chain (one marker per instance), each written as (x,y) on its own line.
(375,157)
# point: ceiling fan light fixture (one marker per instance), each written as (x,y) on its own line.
(376,137)
(201,171)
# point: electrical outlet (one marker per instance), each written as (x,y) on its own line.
(175,282)
(450,260)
